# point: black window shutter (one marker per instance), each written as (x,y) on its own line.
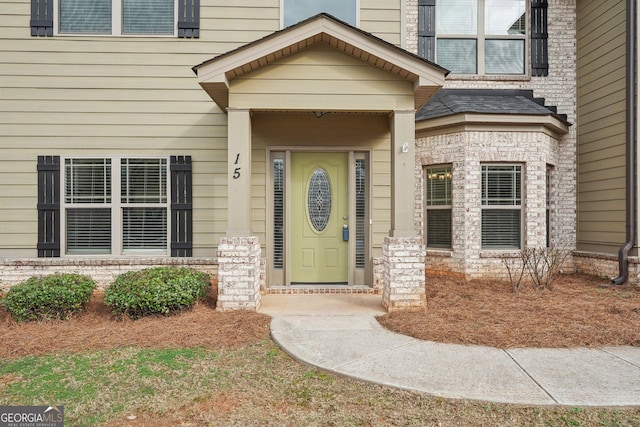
(48,206)
(189,19)
(539,38)
(427,29)
(181,207)
(42,18)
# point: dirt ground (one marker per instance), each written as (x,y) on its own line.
(577,312)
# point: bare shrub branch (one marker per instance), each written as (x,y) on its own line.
(516,268)
(544,264)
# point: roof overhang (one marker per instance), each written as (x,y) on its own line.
(548,124)
(216,74)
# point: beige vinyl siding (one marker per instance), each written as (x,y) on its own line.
(103,96)
(601,131)
(382,18)
(303,131)
(321,78)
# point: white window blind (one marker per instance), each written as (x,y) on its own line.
(85,16)
(143,180)
(361,212)
(97,223)
(143,187)
(88,231)
(144,229)
(128,17)
(148,16)
(501,206)
(278,213)
(88,180)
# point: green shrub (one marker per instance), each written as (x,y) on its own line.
(55,296)
(159,290)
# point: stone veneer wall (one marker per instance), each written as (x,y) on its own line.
(558,89)
(103,271)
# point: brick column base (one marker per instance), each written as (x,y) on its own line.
(404,273)
(238,273)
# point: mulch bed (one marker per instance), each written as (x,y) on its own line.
(578,311)
(98,329)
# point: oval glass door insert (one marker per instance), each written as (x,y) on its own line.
(319,199)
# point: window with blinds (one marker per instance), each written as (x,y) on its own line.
(361,212)
(144,204)
(278,213)
(438,206)
(87,194)
(98,223)
(481,36)
(128,17)
(501,206)
(147,16)
(86,16)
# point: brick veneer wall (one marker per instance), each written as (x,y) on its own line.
(103,271)
(466,150)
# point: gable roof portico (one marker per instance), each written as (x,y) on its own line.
(216,75)
(322,65)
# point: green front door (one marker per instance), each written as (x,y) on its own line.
(319,211)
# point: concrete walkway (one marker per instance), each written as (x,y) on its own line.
(339,333)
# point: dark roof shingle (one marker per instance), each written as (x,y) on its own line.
(485,101)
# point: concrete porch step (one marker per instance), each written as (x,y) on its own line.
(321,289)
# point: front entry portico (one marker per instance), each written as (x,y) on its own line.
(276,91)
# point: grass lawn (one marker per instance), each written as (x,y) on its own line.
(204,367)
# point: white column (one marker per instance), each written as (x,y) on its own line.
(239,172)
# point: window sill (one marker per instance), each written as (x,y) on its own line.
(439,253)
(496,253)
(491,78)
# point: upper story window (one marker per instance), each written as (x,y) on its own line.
(295,11)
(481,36)
(179,18)
(117,17)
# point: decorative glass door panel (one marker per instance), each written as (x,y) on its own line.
(319,213)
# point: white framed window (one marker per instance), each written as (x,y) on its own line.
(485,37)
(116,17)
(115,206)
(438,206)
(501,206)
(294,11)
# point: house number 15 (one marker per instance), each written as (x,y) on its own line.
(236,172)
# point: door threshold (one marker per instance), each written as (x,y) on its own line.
(321,289)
